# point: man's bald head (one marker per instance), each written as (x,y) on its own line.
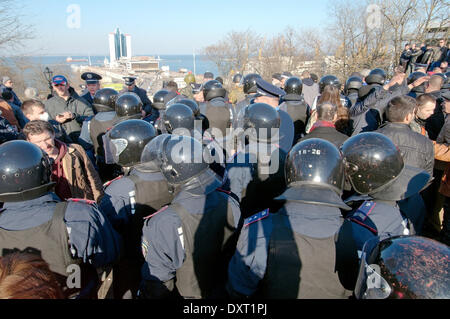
(326,112)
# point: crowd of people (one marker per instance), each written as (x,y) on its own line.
(296,187)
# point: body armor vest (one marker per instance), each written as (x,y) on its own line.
(300,267)
(208,238)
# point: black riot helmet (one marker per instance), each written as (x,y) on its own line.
(183,158)
(404,267)
(237,78)
(192,105)
(263,120)
(250,83)
(329,80)
(125,142)
(213,89)
(412,78)
(315,162)
(314,173)
(178,116)
(293,85)
(371,161)
(376,76)
(105,100)
(25,172)
(158,99)
(128,105)
(151,155)
(353,83)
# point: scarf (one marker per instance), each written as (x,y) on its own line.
(62,188)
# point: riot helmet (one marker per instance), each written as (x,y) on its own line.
(182,159)
(213,89)
(25,172)
(376,76)
(178,116)
(314,173)
(237,78)
(404,267)
(125,142)
(263,121)
(353,83)
(105,100)
(412,78)
(374,166)
(158,99)
(192,105)
(128,105)
(293,86)
(329,80)
(371,161)
(151,155)
(250,83)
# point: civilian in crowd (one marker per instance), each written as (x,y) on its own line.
(72,170)
(67,110)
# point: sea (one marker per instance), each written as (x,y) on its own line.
(174,62)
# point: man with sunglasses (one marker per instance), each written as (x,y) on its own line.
(66,109)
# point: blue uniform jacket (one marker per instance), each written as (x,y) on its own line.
(248,265)
(91,236)
(160,237)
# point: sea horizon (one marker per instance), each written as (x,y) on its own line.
(174,61)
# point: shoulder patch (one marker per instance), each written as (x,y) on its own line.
(110,182)
(364,210)
(360,216)
(81,200)
(257,217)
(154,214)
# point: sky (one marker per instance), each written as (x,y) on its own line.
(81,27)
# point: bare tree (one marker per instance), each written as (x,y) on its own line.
(13,30)
(234,52)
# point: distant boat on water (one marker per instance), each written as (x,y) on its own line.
(70,60)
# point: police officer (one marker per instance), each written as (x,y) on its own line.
(104,106)
(237,92)
(193,105)
(404,267)
(179,119)
(216,108)
(294,104)
(249,88)
(129,198)
(186,244)
(271,95)
(375,169)
(92,84)
(256,171)
(161,100)
(352,86)
(292,253)
(127,106)
(130,86)
(64,233)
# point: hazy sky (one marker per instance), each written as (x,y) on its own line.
(158,27)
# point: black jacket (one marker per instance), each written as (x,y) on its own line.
(416,149)
(329,134)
